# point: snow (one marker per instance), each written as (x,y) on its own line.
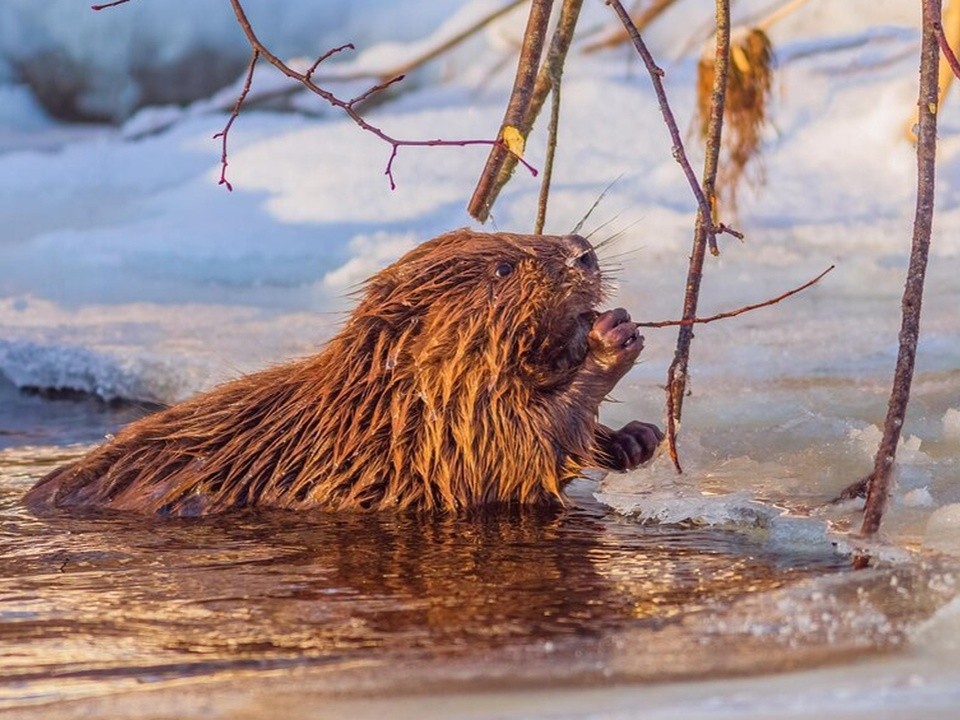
(951,424)
(943,529)
(107,64)
(126,271)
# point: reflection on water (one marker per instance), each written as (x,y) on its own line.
(96,605)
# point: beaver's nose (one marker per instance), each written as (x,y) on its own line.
(580,253)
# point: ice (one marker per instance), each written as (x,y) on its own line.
(672,507)
(920,497)
(943,530)
(951,424)
(941,633)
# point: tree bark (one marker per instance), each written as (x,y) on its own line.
(530,53)
(677,373)
(879,485)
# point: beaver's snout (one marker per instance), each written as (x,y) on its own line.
(580,254)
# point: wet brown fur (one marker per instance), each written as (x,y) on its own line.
(448,387)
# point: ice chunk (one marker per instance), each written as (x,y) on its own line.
(799,535)
(918,497)
(670,506)
(943,530)
(951,424)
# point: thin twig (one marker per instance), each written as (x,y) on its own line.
(347,105)
(679,154)
(223,134)
(329,53)
(364,96)
(879,488)
(548,161)
(945,48)
(677,373)
(738,311)
(530,52)
(108,5)
(405,68)
(552,70)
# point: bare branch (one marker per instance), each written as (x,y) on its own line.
(879,484)
(248,80)
(552,67)
(523,84)
(362,97)
(679,154)
(945,48)
(329,53)
(108,5)
(738,311)
(347,106)
(548,161)
(678,371)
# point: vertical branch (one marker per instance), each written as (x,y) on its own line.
(677,373)
(879,484)
(548,80)
(670,120)
(552,68)
(548,161)
(529,61)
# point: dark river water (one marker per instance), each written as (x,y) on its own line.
(96,605)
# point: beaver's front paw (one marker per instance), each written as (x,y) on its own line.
(614,340)
(630,446)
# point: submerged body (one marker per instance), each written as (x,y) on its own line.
(470,373)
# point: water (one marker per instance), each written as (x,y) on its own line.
(101,607)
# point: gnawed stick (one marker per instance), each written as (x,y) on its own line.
(523,85)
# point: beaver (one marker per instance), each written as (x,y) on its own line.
(469,374)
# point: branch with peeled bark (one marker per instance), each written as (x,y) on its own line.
(520,98)
(547,79)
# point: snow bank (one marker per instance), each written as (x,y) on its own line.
(105,65)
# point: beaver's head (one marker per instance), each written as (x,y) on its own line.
(520,303)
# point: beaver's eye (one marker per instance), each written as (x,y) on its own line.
(503,269)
